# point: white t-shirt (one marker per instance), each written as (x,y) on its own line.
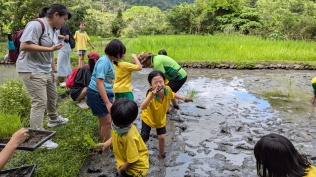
(39,62)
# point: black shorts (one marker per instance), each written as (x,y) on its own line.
(146,130)
(176,85)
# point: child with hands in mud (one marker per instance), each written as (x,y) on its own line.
(154,108)
(129,149)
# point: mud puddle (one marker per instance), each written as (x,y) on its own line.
(232,109)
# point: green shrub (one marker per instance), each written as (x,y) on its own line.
(14,98)
(10,123)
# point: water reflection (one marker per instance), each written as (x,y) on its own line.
(250,100)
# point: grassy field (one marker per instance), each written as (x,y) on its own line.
(220,48)
(216,48)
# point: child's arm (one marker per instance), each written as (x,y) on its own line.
(124,168)
(91,44)
(102,92)
(313,99)
(137,61)
(106,145)
(148,99)
(185,99)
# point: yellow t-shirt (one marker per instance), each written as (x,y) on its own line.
(313,80)
(123,74)
(155,113)
(81,39)
(131,148)
(314,85)
(311,171)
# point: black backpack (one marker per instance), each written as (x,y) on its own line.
(72,41)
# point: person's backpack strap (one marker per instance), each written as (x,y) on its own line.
(43,29)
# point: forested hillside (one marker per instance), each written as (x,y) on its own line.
(161,4)
(276,19)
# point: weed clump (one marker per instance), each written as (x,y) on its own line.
(14,98)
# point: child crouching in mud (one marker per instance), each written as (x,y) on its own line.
(129,149)
(154,108)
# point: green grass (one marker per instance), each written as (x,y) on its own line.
(216,48)
(67,159)
(220,48)
(10,124)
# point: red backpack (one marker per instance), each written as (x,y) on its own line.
(72,76)
(13,54)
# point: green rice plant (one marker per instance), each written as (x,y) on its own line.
(10,123)
(14,98)
(192,94)
(89,142)
(221,48)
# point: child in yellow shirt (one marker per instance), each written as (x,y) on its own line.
(129,149)
(154,109)
(81,37)
(123,82)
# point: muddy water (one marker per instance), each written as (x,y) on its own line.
(215,135)
(232,109)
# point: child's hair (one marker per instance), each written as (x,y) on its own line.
(82,23)
(115,47)
(162,52)
(276,155)
(91,64)
(124,112)
(49,11)
(154,74)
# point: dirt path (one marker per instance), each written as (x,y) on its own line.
(215,135)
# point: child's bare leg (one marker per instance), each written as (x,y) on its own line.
(162,145)
(105,128)
(82,94)
(81,61)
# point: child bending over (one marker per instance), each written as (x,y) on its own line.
(155,108)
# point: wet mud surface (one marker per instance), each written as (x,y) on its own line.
(232,110)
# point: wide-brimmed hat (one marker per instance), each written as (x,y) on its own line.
(144,57)
(93,56)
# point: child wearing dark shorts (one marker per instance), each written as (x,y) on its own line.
(155,107)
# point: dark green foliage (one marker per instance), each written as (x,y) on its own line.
(161,4)
(118,24)
(277,19)
(181,19)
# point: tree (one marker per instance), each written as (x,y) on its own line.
(144,20)
(293,19)
(181,18)
(118,24)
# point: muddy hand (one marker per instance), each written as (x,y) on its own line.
(188,100)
